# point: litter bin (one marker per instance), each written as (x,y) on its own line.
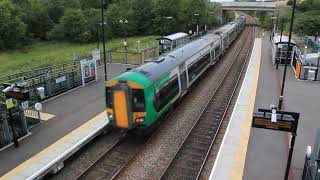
(41,92)
(311,75)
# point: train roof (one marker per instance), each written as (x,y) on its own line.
(159,66)
(226,28)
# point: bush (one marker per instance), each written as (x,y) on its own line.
(12,29)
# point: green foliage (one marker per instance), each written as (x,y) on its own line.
(12,29)
(307,17)
(308,22)
(42,54)
(72,27)
(37,19)
(77,21)
(265,20)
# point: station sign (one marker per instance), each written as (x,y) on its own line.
(281,121)
(280,125)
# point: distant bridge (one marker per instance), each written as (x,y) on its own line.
(249,6)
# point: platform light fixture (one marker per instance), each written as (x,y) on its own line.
(124,24)
(162,41)
(208,13)
(197,15)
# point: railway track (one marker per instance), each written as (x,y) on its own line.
(115,159)
(111,163)
(189,160)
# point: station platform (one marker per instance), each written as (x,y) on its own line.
(229,163)
(75,115)
(268,150)
(250,153)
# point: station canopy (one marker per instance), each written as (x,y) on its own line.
(284,39)
(175,36)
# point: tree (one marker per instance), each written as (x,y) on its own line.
(72,27)
(93,23)
(57,8)
(12,29)
(308,23)
(38,20)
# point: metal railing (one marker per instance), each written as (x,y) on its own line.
(20,123)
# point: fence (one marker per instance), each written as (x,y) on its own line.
(302,71)
(20,124)
(132,57)
(54,80)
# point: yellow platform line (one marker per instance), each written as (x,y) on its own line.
(51,148)
(239,163)
(43,116)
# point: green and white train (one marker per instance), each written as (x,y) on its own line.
(138,98)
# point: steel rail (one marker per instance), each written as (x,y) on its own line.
(205,108)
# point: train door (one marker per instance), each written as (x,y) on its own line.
(211,54)
(183,77)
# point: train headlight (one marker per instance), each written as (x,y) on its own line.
(110,117)
(140,120)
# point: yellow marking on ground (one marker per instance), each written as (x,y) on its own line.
(51,148)
(238,166)
(43,116)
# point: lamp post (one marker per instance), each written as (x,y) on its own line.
(103,4)
(287,57)
(274,26)
(164,26)
(197,15)
(317,72)
(124,23)
(280,53)
(206,26)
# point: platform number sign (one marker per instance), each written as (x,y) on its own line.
(25,104)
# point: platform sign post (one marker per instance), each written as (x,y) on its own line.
(285,121)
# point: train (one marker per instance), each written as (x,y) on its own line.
(140,97)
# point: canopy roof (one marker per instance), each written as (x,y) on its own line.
(175,36)
(284,39)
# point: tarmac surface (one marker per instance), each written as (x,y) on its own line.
(268,150)
(71,110)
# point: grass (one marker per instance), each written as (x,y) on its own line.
(42,54)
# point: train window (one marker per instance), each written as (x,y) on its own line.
(166,93)
(138,101)
(217,50)
(109,101)
(197,67)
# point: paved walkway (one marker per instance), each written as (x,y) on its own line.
(268,150)
(71,110)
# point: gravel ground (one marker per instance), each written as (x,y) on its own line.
(163,144)
(214,151)
(84,158)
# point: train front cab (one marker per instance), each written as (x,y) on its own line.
(125,103)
